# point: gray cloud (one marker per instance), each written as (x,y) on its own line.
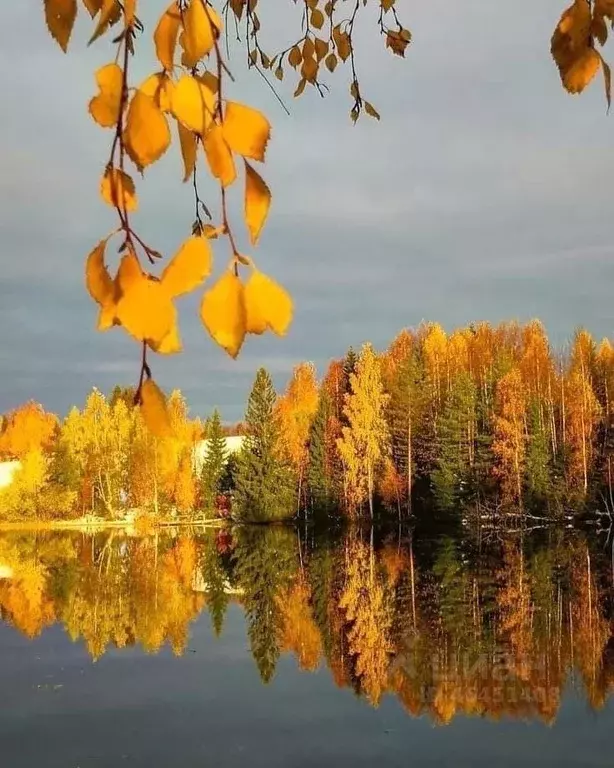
(483,194)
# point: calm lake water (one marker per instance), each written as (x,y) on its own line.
(270,647)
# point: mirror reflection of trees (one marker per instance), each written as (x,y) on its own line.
(451,625)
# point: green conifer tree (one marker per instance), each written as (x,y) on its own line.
(349,367)
(537,465)
(215,460)
(264,487)
(403,416)
(318,478)
(456,429)
(214,577)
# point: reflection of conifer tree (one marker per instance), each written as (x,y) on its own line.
(265,560)
(214,576)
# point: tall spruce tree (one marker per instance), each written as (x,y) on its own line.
(319,481)
(403,414)
(263,482)
(349,367)
(456,429)
(215,460)
(537,467)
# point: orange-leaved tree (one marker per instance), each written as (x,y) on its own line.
(26,429)
(509,442)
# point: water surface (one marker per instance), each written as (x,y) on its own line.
(272,647)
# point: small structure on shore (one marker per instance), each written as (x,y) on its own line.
(233,445)
(7,472)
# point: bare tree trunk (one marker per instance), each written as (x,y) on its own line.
(412,581)
(409,458)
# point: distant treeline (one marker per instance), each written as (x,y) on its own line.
(487,418)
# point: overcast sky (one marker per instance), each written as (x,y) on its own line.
(485,193)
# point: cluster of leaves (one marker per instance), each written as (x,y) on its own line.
(581,27)
(187,90)
(326,40)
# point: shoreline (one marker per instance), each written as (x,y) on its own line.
(82,526)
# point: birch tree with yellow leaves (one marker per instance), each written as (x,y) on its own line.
(509,444)
(366,440)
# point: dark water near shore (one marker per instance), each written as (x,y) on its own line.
(267,647)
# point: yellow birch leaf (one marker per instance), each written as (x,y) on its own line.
(110,12)
(60,16)
(92,6)
(255,319)
(193,104)
(105,106)
(189,145)
(101,286)
(309,70)
(295,57)
(571,36)
(257,202)
(147,135)
(159,87)
(154,410)
(169,345)
(189,266)
(331,62)
(599,28)
(317,18)
(370,110)
(397,41)
(117,190)
(107,317)
(200,25)
(219,156)
(321,48)
(607,81)
(580,73)
(246,130)
(344,46)
(267,300)
(98,282)
(237,7)
(165,36)
(222,311)
(144,307)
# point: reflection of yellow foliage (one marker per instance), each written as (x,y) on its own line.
(24,598)
(366,606)
(300,633)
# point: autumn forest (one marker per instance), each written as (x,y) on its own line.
(485,422)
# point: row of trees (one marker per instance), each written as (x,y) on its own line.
(486,417)
(445,626)
(103,459)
